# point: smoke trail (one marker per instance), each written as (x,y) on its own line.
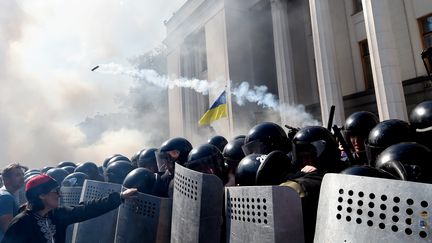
(242,93)
(295,115)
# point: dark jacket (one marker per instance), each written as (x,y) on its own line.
(24,228)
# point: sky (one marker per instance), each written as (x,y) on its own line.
(50,101)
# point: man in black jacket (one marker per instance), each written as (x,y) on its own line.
(43,221)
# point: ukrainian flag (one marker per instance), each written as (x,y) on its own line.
(218,110)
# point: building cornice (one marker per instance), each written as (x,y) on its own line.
(191,17)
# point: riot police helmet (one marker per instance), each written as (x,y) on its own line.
(66,163)
(408,161)
(90,169)
(233,152)
(367,171)
(265,138)
(360,123)
(218,141)
(117,171)
(247,169)
(142,179)
(69,169)
(147,159)
(134,158)
(172,151)
(208,159)
(315,146)
(58,174)
(385,134)
(421,121)
(75,179)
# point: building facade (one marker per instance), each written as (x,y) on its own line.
(356,55)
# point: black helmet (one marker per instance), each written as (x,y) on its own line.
(239,136)
(165,160)
(233,152)
(118,158)
(58,174)
(90,169)
(367,171)
(385,134)
(360,124)
(66,163)
(69,169)
(134,158)
(105,163)
(218,141)
(147,159)
(141,179)
(46,168)
(274,169)
(75,179)
(421,122)
(32,171)
(407,161)
(265,138)
(117,171)
(247,169)
(421,115)
(317,142)
(30,174)
(208,159)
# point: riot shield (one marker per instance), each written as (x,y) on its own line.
(144,219)
(366,209)
(100,229)
(69,196)
(263,214)
(197,207)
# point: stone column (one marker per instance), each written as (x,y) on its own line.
(325,60)
(384,59)
(283,52)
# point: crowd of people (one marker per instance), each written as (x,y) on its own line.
(267,155)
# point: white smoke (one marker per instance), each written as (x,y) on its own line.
(152,77)
(296,114)
(47,48)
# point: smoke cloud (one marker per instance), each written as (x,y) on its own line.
(53,108)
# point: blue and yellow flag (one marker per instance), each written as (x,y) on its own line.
(218,110)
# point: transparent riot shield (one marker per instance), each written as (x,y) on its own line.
(100,229)
(70,196)
(145,219)
(197,207)
(365,209)
(263,214)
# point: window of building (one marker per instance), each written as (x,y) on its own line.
(194,56)
(425,24)
(357,6)
(366,63)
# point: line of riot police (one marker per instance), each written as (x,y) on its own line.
(268,156)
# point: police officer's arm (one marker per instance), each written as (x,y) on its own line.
(6,211)
(294,185)
(93,208)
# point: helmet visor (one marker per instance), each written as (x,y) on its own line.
(254,147)
(164,161)
(208,165)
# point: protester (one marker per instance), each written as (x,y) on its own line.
(13,178)
(44,221)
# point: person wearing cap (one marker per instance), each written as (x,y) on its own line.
(44,221)
(13,178)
